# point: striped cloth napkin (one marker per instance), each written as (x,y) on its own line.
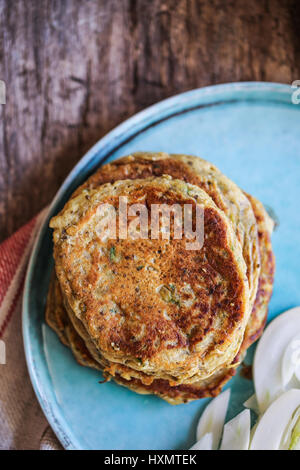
(22,423)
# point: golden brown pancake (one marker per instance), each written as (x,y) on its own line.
(227,197)
(226,194)
(154,306)
(212,386)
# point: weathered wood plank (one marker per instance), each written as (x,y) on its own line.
(74,69)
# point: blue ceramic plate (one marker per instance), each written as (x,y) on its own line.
(251,132)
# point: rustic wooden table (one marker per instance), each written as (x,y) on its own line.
(74,69)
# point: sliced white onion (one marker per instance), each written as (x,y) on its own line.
(236,433)
(297,374)
(295,436)
(213,418)
(291,434)
(272,425)
(205,443)
(267,369)
(252,404)
(290,360)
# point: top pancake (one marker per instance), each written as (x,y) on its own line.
(152,304)
(226,194)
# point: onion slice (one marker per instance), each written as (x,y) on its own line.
(272,426)
(205,443)
(252,404)
(236,433)
(290,439)
(290,360)
(213,418)
(269,380)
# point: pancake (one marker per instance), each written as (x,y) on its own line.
(191,331)
(226,194)
(86,352)
(266,280)
(162,388)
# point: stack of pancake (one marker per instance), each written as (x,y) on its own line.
(149,313)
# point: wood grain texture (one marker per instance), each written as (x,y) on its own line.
(74,69)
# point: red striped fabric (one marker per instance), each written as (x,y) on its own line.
(14,254)
(22,422)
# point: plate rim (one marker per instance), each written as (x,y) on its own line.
(136,124)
